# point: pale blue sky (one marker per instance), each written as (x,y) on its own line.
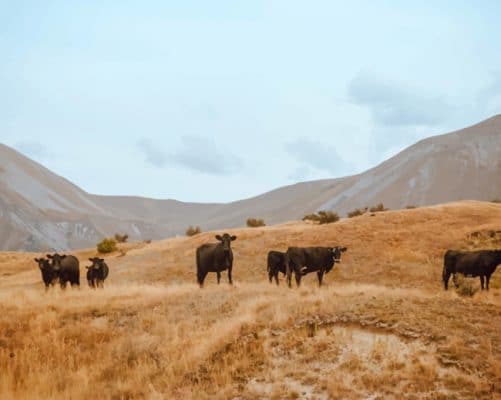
(221,100)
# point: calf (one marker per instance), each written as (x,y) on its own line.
(97,272)
(215,257)
(276,264)
(303,260)
(49,276)
(481,263)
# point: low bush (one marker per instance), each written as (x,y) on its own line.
(107,245)
(410,207)
(311,217)
(357,212)
(255,222)
(464,286)
(379,208)
(322,217)
(193,230)
(121,238)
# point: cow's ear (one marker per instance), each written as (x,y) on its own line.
(233,238)
(101,259)
(63,256)
(36,259)
(88,266)
(343,249)
(49,256)
(218,237)
(91,259)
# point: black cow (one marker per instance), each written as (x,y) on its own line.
(303,260)
(276,264)
(215,257)
(97,272)
(67,268)
(481,263)
(49,276)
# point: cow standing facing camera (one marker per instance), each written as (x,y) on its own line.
(215,257)
(97,272)
(49,276)
(67,268)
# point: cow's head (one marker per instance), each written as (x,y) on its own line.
(48,273)
(43,263)
(97,263)
(56,260)
(226,241)
(336,253)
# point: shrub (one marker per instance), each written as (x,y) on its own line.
(311,217)
(193,230)
(322,217)
(410,207)
(379,208)
(107,245)
(255,222)
(121,238)
(496,201)
(465,286)
(356,212)
(327,217)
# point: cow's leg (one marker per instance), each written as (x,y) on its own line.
(288,272)
(276,277)
(298,276)
(447,276)
(218,277)
(320,275)
(487,279)
(229,276)
(201,277)
(482,282)
(270,275)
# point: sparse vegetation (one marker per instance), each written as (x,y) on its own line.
(107,245)
(255,222)
(357,212)
(121,238)
(193,230)
(378,208)
(322,217)
(465,286)
(381,326)
(410,207)
(496,201)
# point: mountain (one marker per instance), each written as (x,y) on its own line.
(41,211)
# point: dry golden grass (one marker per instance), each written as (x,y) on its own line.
(382,327)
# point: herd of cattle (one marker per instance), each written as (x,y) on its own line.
(218,257)
(66,268)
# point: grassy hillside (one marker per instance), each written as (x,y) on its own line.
(382,325)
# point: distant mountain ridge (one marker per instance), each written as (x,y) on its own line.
(40,210)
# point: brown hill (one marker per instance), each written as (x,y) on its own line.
(382,326)
(40,210)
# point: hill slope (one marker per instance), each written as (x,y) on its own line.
(40,210)
(381,327)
